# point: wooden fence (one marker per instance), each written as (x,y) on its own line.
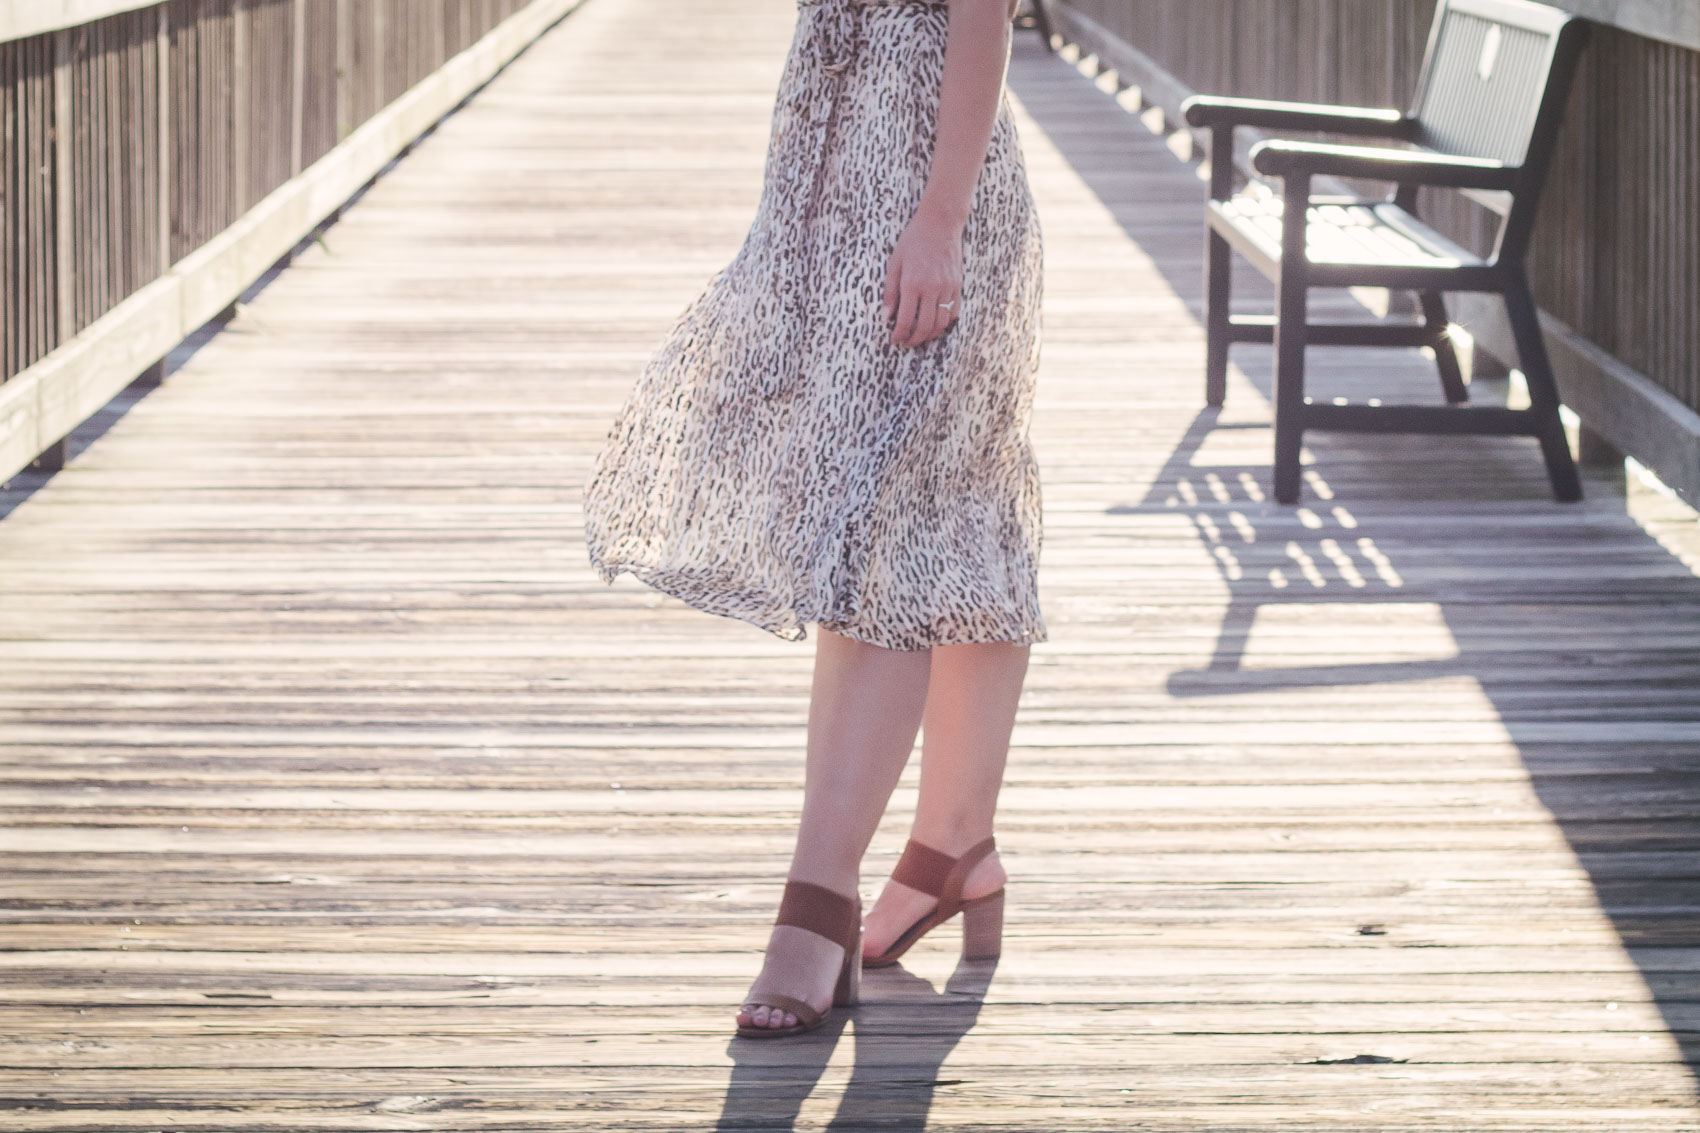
(1616,262)
(136,141)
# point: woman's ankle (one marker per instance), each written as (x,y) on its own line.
(954,838)
(844,883)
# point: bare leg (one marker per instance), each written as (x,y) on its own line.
(969,714)
(865,708)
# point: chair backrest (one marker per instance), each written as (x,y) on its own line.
(1494,85)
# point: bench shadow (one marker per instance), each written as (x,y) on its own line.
(903,1030)
(1599,707)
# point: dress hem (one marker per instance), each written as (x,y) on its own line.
(795,628)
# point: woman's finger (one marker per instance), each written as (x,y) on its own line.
(947,315)
(927,321)
(908,306)
(915,300)
(893,286)
(937,318)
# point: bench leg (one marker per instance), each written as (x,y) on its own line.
(1218,274)
(1445,354)
(1543,391)
(1292,315)
(1289,379)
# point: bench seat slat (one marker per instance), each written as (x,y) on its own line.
(1341,232)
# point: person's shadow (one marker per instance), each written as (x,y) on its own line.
(904,1030)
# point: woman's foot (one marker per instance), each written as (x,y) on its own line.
(899,906)
(799,964)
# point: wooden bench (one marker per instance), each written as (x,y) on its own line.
(1485,120)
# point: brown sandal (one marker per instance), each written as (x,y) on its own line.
(941,876)
(838,918)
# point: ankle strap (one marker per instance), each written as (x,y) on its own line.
(924,868)
(817,909)
(938,874)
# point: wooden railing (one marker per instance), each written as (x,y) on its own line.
(1616,262)
(158,157)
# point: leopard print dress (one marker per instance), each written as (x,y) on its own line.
(780,461)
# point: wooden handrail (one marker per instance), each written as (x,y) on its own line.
(20,19)
(1671,22)
(159,170)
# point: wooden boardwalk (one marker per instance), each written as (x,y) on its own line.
(339,795)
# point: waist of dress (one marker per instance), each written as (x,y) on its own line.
(835,30)
(873,3)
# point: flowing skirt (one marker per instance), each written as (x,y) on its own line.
(779,460)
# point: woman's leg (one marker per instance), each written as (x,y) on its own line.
(969,714)
(864,711)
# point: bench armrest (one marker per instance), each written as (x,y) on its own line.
(1407,167)
(1203,111)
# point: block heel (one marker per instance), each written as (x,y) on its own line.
(849,990)
(982,927)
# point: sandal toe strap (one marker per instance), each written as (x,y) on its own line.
(805,1014)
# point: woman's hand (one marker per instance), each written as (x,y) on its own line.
(925,271)
(924,274)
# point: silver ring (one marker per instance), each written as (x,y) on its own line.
(950,306)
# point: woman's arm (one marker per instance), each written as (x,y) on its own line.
(925,270)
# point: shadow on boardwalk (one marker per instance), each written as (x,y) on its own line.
(1575,622)
(905,1029)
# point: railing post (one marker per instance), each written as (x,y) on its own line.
(52,457)
(166,202)
(344,69)
(239,110)
(1390,44)
(299,81)
(379,56)
(63,202)
(155,374)
(240,116)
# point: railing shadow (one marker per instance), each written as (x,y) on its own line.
(1604,734)
(903,1030)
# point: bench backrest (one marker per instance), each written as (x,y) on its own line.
(1494,85)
